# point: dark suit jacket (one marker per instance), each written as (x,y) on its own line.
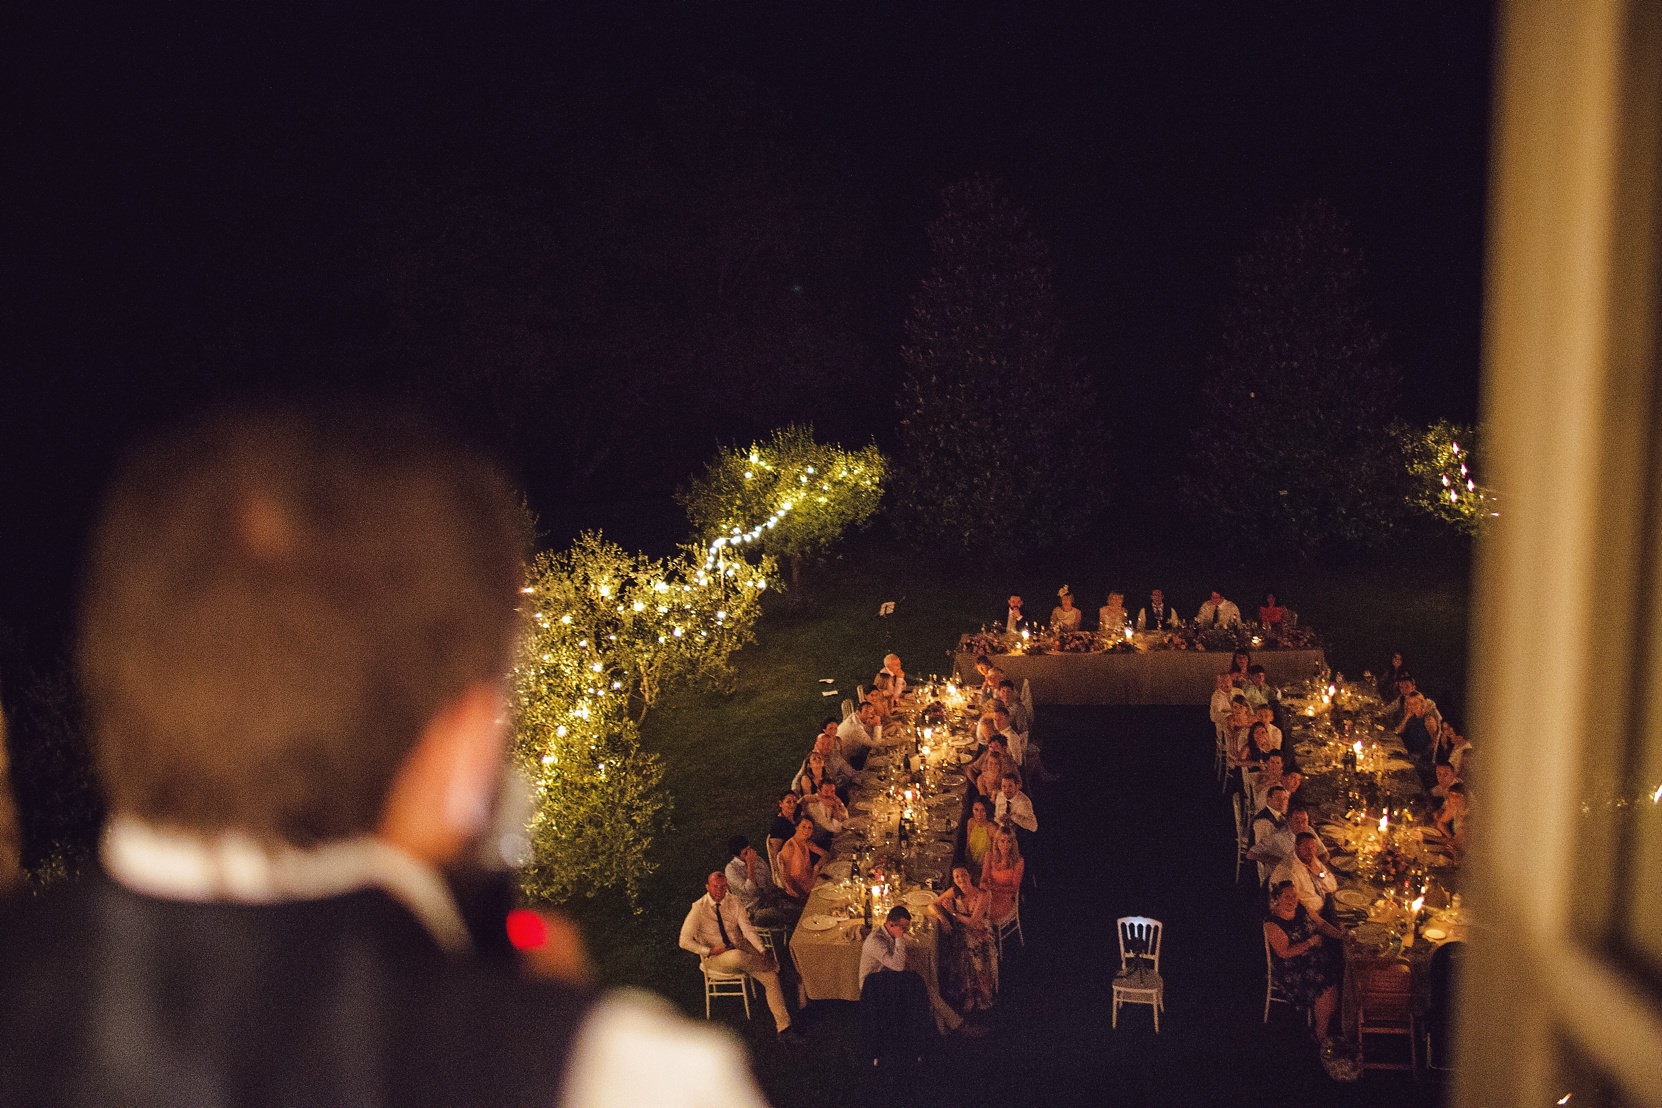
(110,997)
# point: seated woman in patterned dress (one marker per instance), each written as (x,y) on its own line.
(972,964)
(1308,958)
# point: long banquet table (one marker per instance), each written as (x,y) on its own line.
(1152,677)
(827,940)
(1380,927)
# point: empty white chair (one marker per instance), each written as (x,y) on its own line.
(1139,981)
(1241,830)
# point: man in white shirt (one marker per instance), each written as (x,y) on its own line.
(1021,716)
(827,811)
(1269,842)
(897,675)
(1011,802)
(1218,612)
(1222,698)
(1013,616)
(719,931)
(1310,877)
(857,734)
(1157,614)
(751,880)
(885,948)
(837,768)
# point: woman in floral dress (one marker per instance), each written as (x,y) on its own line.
(1307,955)
(972,977)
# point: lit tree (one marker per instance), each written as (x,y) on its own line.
(790,496)
(1442,476)
(999,447)
(608,631)
(1295,449)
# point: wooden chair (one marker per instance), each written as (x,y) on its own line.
(1386,1008)
(1139,981)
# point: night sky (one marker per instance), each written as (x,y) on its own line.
(626,231)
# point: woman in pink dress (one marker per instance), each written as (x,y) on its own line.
(1001,874)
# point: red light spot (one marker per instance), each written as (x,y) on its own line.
(526,930)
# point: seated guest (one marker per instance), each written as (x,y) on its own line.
(1445,778)
(885,948)
(988,686)
(827,811)
(1065,617)
(750,879)
(1451,820)
(1238,741)
(1268,841)
(991,740)
(1307,955)
(1012,615)
(1418,727)
(1258,748)
(1002,871)
(1218,612)
(1021,716)
(1111,618)
(799,862)
(1457,749)
(1156,615)
(1013,805)
(897,676)
(1260,692)
(1223,703)
(1014,741)
(1239,662)
(1394,672)
(995,766)
(1266,716)
(783,828)
(857,734)
(1298,822)
(719,931)
(1271,613)
(1312,880)
(972,962)
(812,775)
(1259,779)
(836,766)
(978,832)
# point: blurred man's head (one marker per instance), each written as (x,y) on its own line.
(281,606)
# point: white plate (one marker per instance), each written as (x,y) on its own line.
(856,823)
(919,898)
(818,922)
(862,805)
(952,779)
(1353,898)
(1435,934)
(1398,764)
(836,871)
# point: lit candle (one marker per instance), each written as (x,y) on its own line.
(1384,824)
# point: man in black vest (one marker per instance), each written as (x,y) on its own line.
(294,635)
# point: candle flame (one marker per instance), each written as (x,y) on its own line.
(1419,902)
(1384,822)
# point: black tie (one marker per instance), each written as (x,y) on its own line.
(725,941)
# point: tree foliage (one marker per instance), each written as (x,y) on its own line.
(1441,463)
(792,496)
(999,446)
(608,632)
(1296,450)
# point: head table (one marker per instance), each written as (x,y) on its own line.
(1139,676)
(906,815)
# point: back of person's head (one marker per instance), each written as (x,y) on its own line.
(278,601)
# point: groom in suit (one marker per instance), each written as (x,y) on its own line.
(295,632)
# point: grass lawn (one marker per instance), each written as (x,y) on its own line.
(728,759)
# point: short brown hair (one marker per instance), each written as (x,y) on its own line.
(278,601)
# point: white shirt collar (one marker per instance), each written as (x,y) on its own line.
(175,865)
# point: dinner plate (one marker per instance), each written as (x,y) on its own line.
(819,922)
(1435,934)
(836,871)
(862,805)
(857,823)
(953,779)
(919,898)
(1344,863)
(1398,764)
(1353,898)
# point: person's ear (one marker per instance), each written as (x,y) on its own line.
(441,798)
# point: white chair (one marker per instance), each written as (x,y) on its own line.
(1009,923)
(859,694)
(1273,994)
(773,865)
(1240,835)
(1027,695)
(1222,760)
(717,984)
(848,707)
(1139,981)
